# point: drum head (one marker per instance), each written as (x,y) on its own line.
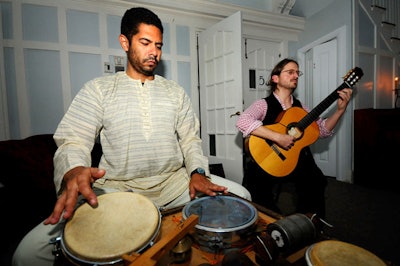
(123,222)
(221,213)
(334,253)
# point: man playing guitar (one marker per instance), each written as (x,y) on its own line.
(258,122)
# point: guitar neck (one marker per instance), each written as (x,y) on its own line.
(320,108)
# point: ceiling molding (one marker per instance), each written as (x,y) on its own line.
(215,10)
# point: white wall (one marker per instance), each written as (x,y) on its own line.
(50,48)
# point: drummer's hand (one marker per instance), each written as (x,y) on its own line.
(77,181)
(200,183)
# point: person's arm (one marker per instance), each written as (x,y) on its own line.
(75,136)
(251,118)
(342,102)
(327,125)
(250,123)
(77,131)
(188,128)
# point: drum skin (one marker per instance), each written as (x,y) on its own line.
(337,253)
(226,223)
(122,223)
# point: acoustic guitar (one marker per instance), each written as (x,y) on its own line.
(296,122)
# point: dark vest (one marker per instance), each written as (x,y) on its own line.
(275,108)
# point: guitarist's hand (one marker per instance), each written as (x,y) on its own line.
(285,141)
(344,98)
(342,102)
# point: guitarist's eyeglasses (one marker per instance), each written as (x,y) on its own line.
(292,71)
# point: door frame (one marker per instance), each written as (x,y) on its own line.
(344,143)
(221,95)
(323,67)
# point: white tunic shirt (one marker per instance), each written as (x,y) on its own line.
(149,135)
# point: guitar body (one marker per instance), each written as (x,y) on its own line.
(275,160)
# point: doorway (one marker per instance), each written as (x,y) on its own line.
(333,156)
(232,73)
(323,68)
(220,76)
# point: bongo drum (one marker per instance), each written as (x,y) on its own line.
(225,222)
(123,222)
(337,253)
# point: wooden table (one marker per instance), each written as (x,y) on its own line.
(200,256)
(172,222)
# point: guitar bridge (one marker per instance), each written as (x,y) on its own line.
(278,152)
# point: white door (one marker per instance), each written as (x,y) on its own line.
(220,70)
(259,60)
(324,76)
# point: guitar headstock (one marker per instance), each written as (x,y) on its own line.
(353,76)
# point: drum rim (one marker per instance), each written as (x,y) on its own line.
(148,243)
(251,221)
(308,255)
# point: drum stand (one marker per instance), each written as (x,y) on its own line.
(159,249)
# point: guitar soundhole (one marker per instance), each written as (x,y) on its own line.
(294,131)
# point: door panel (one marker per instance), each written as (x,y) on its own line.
(261,57)
(324,83)
(220,70)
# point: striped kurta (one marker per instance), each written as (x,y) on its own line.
(149,135)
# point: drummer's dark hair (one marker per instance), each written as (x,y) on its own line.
(134,17)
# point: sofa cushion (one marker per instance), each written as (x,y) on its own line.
(26,160)
(28,193)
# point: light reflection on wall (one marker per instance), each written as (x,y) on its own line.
(368,85)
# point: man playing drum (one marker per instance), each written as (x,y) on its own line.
(149,135)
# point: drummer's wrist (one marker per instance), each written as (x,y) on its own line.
(198,170)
